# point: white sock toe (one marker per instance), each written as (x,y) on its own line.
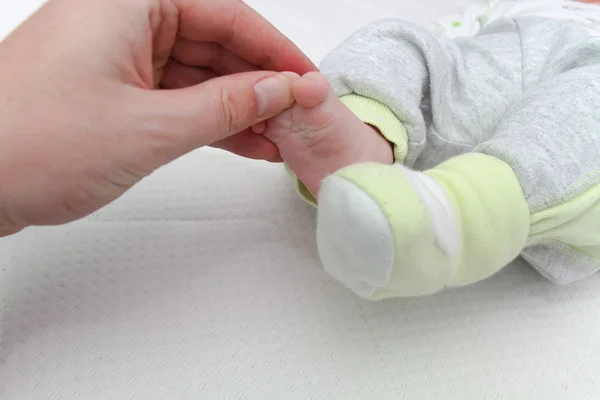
(355,241)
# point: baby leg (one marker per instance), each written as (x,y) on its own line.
(533,189)
(384,230)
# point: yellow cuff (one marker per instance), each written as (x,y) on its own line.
(301,189)
(376,114)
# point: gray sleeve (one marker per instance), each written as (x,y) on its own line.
(451,91)
(525,91)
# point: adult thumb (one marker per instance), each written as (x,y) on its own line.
(219,108)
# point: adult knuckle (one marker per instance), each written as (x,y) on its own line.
(229,114)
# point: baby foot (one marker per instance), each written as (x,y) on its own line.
(319,135)
(388,231)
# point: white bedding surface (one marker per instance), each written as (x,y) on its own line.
(203,283)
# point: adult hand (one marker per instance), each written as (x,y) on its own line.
(81,120)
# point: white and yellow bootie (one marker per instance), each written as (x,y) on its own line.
(387,231)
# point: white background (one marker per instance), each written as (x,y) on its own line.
(203,283)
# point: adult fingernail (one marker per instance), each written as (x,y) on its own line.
(272,95)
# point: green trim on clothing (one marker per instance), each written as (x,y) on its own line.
(378,115)
(575,223)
